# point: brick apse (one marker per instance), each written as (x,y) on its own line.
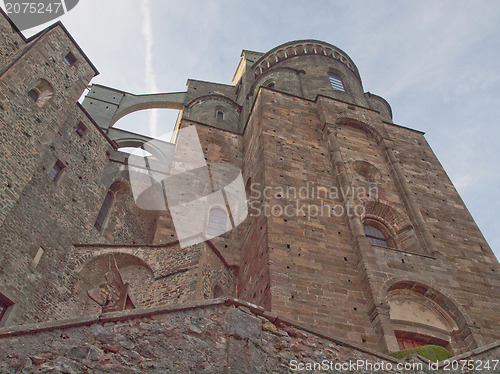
(354,228)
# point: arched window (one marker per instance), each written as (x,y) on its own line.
(41,93)
(217,220)
(220,115)
(103,213)
(375,236)
(269,83)
(336,82)
(218,291)
(420,316)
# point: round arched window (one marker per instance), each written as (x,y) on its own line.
(41,93)
(217,221)
(375,236)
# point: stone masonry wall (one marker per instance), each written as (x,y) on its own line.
(210,337)
(461,266)
(52,216)
(127,223)
(157,275)
(25,128)
(253,277)
(314,273)
(468,270)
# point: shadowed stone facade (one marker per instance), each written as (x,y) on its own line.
(355,233)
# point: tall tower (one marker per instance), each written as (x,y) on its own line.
(379,248)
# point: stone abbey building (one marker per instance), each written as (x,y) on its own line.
(90,280)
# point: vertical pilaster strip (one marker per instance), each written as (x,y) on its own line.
(379,314)
(416,217)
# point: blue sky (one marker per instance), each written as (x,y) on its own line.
(436,62)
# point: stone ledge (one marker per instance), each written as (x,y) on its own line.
(472,353)
(405,251)
(35,328)
(122,245)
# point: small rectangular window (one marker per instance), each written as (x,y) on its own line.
(81,129)
(103,213)
(56,170)
(37,258)
(70,59)
(336,82)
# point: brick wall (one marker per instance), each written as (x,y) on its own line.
(11,43)
(27,129)
(53,215)
(313,269)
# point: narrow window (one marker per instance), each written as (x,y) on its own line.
(336,82)
(37,258)
(103,213)
(220,115)
(248,189)
(56,170)
(218,291)
(5,304)
(375,236)
(81,129)
(70,59)
(217,219)
(33,95)
(270,85)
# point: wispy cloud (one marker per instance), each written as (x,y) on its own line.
(147,33)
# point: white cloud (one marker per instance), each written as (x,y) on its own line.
(147,32)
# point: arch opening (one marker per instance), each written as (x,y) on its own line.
(133,270)
(155,123)
(421,315)
(41,93)
(136,151)
(217,222)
